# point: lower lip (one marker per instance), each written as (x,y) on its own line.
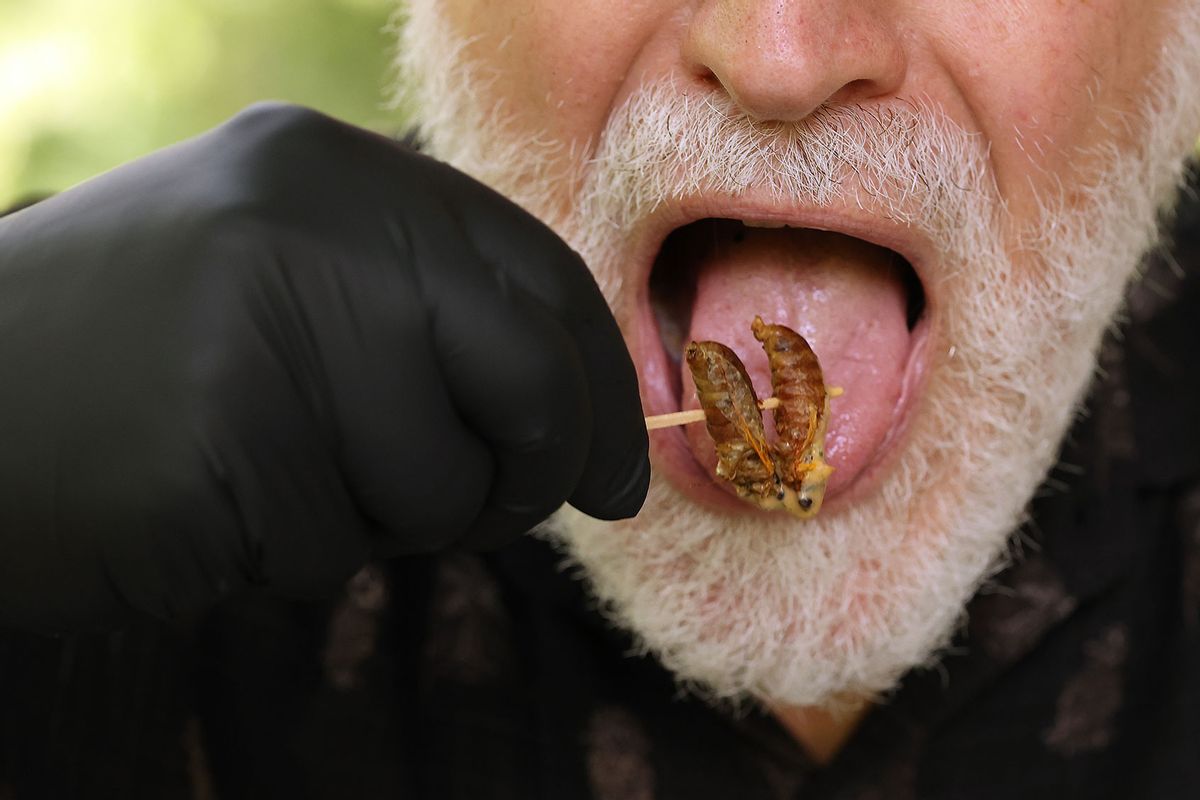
(673,456)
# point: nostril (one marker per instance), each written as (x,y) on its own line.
(708,79)
(856,91)
(858,88)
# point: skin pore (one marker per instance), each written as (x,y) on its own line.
(1019,149)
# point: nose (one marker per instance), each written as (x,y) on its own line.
(780,60)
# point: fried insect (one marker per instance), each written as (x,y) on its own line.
(791,474)
(802,414)
(733,420)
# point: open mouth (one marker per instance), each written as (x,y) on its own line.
(861,306)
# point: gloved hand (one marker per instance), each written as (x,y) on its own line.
(263,355)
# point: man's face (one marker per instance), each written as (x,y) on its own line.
(967,188)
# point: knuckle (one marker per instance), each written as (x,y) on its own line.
(271,156)
(273,122)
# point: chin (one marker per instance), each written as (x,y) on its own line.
(741,605)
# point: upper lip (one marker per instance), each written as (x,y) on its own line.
(848,219)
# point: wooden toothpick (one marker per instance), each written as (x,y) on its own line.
(657,421)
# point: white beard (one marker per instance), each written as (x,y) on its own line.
(801,613)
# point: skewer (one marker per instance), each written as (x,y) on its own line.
(675,418)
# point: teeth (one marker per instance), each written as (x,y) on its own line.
(764,224)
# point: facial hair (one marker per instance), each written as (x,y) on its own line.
(801,613)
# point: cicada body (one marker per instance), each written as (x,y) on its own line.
(802,414)
(733,419)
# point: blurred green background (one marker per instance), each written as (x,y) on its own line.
(86,85)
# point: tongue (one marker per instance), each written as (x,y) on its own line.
(845,296)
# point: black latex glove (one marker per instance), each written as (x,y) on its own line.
(263,355)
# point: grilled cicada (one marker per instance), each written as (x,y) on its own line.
(734,421)
(790,474)
(801,416)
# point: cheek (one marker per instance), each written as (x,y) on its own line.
(559,66)
(1050,86)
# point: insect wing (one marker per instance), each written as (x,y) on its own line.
(723,385)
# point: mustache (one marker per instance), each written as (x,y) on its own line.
(905,159)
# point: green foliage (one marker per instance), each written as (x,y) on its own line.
(88,84)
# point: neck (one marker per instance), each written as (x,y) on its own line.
(820,732)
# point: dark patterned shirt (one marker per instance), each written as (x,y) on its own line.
(470,677)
